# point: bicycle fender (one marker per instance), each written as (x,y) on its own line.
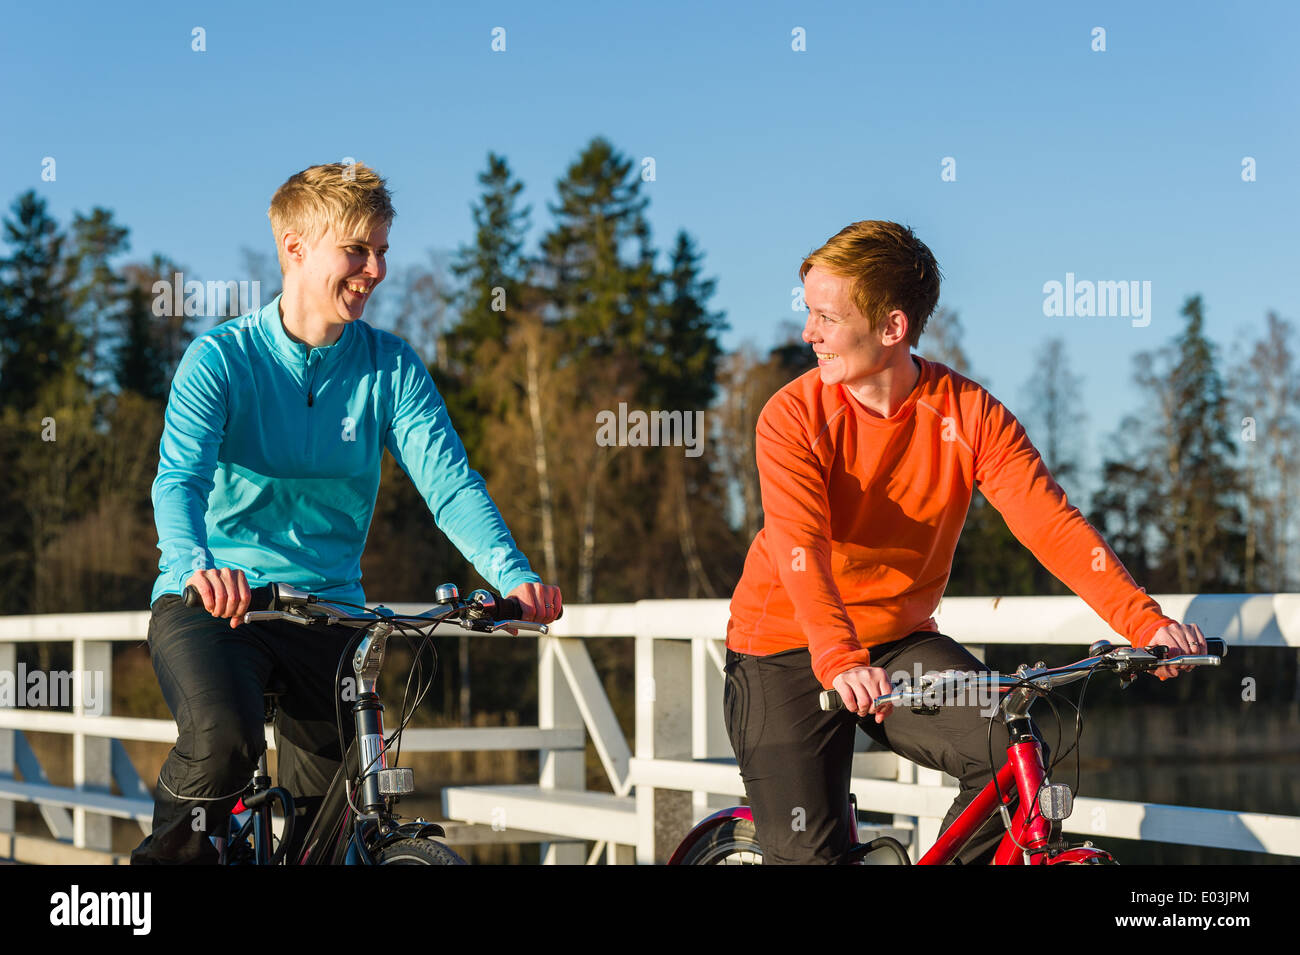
(707,825)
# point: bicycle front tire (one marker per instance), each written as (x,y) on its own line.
(735,842)
(417,852)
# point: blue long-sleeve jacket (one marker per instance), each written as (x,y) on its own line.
(269,459)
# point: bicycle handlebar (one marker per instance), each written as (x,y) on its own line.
(278,601)
(1103,655)
(262,598)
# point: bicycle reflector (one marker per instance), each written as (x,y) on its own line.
(396,782)
(1056,802)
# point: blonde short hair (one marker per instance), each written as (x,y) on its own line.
(890,268)
(344,196)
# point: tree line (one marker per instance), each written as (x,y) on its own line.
(528,342)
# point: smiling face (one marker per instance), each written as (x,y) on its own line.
(848,351)
(339,271)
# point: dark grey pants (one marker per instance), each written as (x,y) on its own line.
(796,759)
(213,677)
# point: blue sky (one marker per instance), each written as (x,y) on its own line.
(1119,165)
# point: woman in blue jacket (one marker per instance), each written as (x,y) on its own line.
(268,470)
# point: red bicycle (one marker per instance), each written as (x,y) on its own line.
(1033,831)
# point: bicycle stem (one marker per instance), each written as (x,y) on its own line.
(368,713)
(369,658)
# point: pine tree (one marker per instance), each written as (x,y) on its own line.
(597,270)
(96,291)
(494,269)
(1206,524)
(1171,499)
(138,362)
(493,273)
(38,340)
(149,341)
(680,365)
(680,360)
(597,259)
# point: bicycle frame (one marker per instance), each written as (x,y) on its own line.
(352,827)
(338,835)
(1031,838)
(1023,774)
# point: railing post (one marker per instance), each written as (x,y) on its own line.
(560,769)
(925,829)
(663,731)
(708,728)
(92,756)
(8,665)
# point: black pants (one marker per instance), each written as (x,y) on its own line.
(213,678)
(796,760)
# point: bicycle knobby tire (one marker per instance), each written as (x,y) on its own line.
(417,852)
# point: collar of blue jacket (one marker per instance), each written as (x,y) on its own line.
(295,353)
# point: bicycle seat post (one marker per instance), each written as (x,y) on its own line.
(270,700)
(262,779)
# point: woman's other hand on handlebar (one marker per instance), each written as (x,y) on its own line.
(225,592)
(859,687)
(1180,638)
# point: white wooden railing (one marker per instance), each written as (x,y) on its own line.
(683,765)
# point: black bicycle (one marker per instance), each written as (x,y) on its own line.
(356,824)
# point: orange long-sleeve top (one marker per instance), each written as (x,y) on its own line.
(862,515)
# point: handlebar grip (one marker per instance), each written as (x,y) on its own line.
(830,700)
(509,608)
(261,598)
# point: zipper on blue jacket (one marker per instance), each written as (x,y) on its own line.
(311,398)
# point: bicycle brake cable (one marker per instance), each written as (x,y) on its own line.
(422,686)
(416,673)
(1078,725)
(1078,730)
(338,679)
(407,716)
(1002,811)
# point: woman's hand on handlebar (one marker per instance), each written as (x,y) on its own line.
(541,603)
(225,592)
(1180,638)
(859,687)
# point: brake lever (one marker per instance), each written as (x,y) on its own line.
(541,628)
(483,625)
(253,616)
(1189,660)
